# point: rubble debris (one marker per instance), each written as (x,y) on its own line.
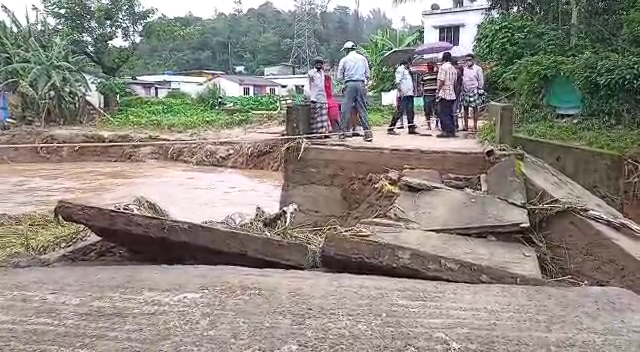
(505,181)
(415,184)
(370,196)
(584,250)
(172,241)
(459,212)
(461,181)
(432,256)
(423,174)
(577,232)
(484,187)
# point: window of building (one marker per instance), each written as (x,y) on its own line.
(299,89)
(272,91)
(450,35)
(458,3)
(246,91)
(147,91)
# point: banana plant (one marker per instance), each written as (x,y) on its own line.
(378,46)
(44,75)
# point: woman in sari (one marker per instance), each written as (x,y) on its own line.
(334,107)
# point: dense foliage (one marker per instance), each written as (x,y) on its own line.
(42,71)
(255,38)
(527,43)
(172,114)
(93,26)
(45,62)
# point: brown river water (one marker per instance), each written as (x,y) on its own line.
(187,192)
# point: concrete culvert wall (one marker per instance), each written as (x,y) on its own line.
(317,177)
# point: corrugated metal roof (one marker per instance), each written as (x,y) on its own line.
(249,80)
(171,78)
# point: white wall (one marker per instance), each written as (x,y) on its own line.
(93,96)
(231,89)
(290,81)
(468,17)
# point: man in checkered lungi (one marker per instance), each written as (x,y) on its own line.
(319,123)
(472,91)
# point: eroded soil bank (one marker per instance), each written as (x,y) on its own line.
(258,151)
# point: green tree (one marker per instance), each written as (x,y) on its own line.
(93,27)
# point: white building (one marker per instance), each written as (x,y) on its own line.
(234,85)
(454,21)
(160,85)
(291,84)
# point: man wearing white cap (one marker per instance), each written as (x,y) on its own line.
(354,71)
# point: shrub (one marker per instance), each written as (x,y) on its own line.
(210,96)
(178,94)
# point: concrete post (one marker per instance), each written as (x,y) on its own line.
(297,119)
(503,116)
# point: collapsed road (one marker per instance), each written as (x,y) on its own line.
(446,215)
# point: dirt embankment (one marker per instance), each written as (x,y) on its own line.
(31,145)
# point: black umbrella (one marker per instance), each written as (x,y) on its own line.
(396,56)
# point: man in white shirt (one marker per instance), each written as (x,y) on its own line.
(447,76)
(319,122)
(472,91)
(404,85)
(354,71)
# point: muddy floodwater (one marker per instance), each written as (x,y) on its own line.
(187,192)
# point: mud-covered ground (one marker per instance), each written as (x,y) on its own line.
(259,149)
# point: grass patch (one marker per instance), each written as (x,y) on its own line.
(582,132)
(381,115)
(173,114)
(34,234)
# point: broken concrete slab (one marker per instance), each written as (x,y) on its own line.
(423,174)
(432,256)
(459,212)
(461,181)
(172,241)
(239,309)
(415,184)
(505,181)
(540,177)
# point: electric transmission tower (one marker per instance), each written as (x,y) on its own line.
(307,22)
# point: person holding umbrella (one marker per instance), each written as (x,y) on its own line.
(447,77)
(354,70)
(404,84)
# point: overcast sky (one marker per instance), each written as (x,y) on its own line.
(203,8)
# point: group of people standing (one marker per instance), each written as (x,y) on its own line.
(354,71)
(445,89)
